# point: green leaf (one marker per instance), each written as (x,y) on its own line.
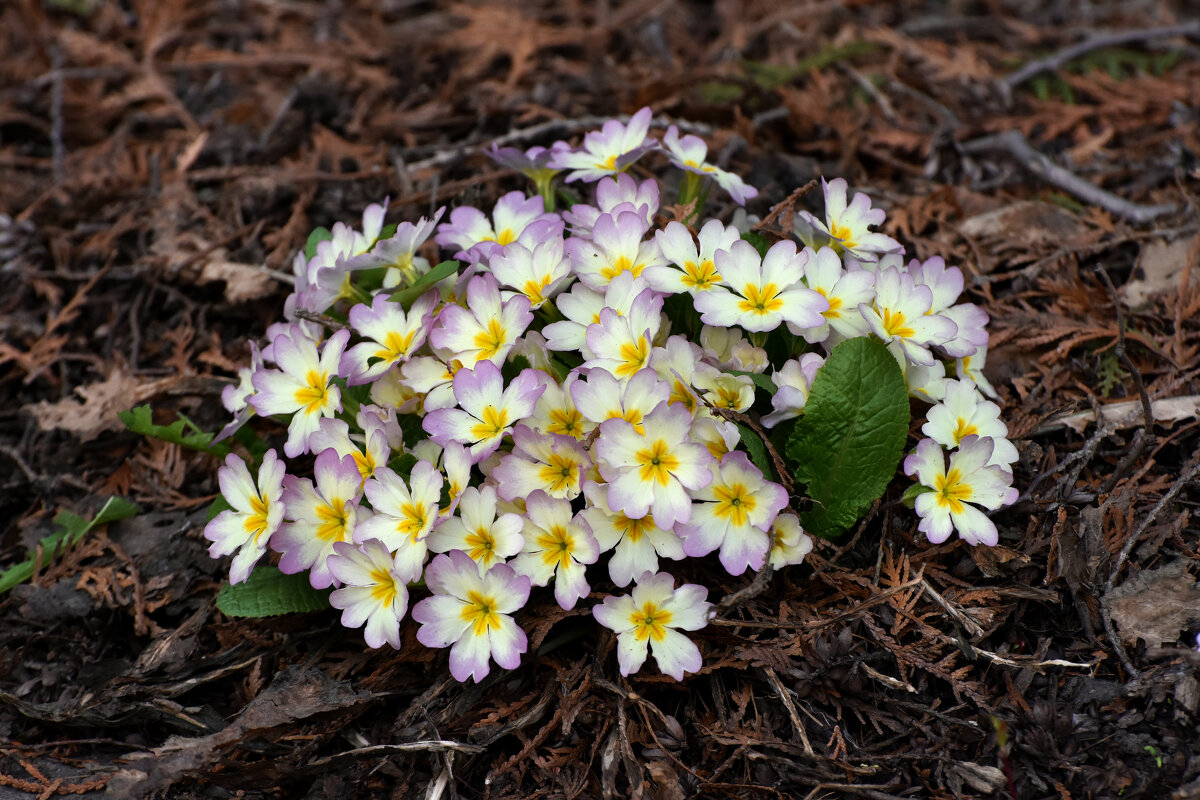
(909,498)
(269,593)
(757,451)
(315,238)
(849,441)
(140,419)
(72,529)
(408,295)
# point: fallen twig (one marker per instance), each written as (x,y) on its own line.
(1015,144)
(782,691)
(1095,42)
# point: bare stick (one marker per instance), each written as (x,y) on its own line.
(797,723)
(1015,144)
(1096,42)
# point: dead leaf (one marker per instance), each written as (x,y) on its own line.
(101,401)
(1029,223)
(1155,605)
(1128,414)
(242,281)
(1162,264)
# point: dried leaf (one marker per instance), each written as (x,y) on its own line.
(242,281)
(101,401)
(1162,264)
(1155,605)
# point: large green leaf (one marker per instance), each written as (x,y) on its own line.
(72,527)
(269,593)
(846,446)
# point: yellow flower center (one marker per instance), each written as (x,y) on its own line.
(834,304)
(760,300)
(256,521)
(534,289)
(490,341)
(331,526)
(412,521)
(493,423)
(560,474)
(844,236)
(700,276)
(951,491)
(656,463)
(634,357)
(622,264)
(395,345)
(383,587)
(963,429)
(481,545)
(557,545)
(365,463)
(480,612)
(633,529)
(734,502)
(312,396)
(650,622)
(566,421)
(893,324)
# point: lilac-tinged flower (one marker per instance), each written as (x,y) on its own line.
(556,411)
(900,316)
(722,390)
(718,435)
(962,413)
(733,513)
(318,517)
(302,386)
(557,547)
(637,544)
(514,218)
(946,284)
(970,368)
(609,150)
(846,227)
(968,480)
(844,291)
(793,382)
(621,344)
(236,398)
(322,280)
(392,335)
(469,612)
(405,513)
(601,396)
(398,252)
(372,593)
(927,383)
(487,411)
(729,350)
(538,272)
(614,196)
(789,543)
(680,363)
(648,617)
(487,328)
(534,163)
(689,153)
(617,245)
(690,268)
(550,462)
(582,306)
(652,472)
(478,531)
(763,292)
(254,516)
(334,434)
(425,383)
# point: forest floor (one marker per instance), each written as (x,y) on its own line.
(160,164)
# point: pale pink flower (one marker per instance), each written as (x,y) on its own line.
(318,516)
(761,293)
(488,538)
(373,593)
(969,479)
(302,386)
(690,152)
(254,515)
(647,619)
(558,547)
(609,150)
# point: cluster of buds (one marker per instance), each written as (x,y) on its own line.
(538,412)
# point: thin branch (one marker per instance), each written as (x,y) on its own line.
(1015,144)
(1095,42)
(797,723)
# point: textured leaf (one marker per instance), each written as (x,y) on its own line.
(757,451)
(408,295)
(849,441)
(269,593)
(140,419)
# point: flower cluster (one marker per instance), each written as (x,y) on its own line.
(566,399)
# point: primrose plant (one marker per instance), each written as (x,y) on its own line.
(584,397)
